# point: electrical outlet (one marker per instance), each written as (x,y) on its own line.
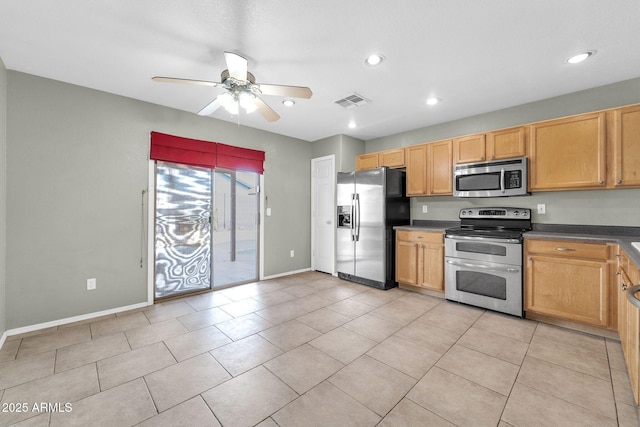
(292,253)
(542,208)
(91,284)
(268,211)
(424,209)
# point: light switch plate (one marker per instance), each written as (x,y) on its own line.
(424,209)
(542,208)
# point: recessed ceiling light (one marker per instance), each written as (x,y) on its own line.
(432,101)
(575,59)
(289,103)
(374,59)
(352,124)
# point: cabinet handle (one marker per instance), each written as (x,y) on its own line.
(529,258)
(565,249)
(482,158)
(601,183)
(619,182)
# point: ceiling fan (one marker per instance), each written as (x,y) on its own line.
(242,90)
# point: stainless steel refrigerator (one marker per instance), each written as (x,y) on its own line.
(369,204)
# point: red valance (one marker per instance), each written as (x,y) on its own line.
(194,152)
(236,158)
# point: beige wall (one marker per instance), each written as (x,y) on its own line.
(77,163)
(3,194)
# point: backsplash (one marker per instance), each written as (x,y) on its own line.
(601,207)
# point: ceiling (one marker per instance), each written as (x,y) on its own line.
(476,56)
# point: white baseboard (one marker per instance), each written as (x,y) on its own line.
(68,320)
(288,273)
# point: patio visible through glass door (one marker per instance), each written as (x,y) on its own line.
(235,227)
(206,228)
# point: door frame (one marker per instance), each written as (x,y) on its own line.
(151,232)
(333,202)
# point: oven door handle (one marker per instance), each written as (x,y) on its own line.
(483,239)
(483,267)
(502,186)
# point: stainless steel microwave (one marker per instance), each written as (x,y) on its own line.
(498,178)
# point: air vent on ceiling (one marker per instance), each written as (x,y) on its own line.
(352,101)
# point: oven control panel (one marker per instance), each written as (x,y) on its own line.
(496,213)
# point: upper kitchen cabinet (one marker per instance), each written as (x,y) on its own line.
(366,161)
(625,159)
(568,153)
(495,145)
(507,143)
(391,158)
(470,148)
(429,169)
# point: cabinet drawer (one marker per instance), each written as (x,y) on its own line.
(420,236)
(568,248)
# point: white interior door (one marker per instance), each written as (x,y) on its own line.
(323,213)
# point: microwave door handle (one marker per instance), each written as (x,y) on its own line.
(502,189)
(484,267)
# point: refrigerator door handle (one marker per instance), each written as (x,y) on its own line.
(357,217)
(353,218)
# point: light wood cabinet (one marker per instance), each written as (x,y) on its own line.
(440,168)
(366,161)
(416,158)
(568,153)
(420,259)
(470,148)
(430,169)
(495,145)
(507,143)
(568,280)
(391,158)
(629,320)
(625,156)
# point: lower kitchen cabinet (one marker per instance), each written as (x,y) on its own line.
(569,280)
(629,321)
(420,259)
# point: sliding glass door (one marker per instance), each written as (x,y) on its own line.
(206,228)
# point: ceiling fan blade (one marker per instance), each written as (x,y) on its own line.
(265,111)
(188,81)
(282,90)
(210,108)
(237,65)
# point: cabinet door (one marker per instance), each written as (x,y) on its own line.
(469,149)
(506,143)
(431,266)
(367,161)
(392,158)
(440,168)
(406,262)
(626,147)
(568,153)
(571,289)
(416,158)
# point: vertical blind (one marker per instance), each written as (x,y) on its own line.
(195,152)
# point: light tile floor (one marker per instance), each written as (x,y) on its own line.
(313,350)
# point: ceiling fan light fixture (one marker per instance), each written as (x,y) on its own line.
(373,60)
(433,101)
(576,59)
(247,101)
(288,103)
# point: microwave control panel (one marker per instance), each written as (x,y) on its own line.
(513,179)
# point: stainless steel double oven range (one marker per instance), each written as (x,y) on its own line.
(483,258)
